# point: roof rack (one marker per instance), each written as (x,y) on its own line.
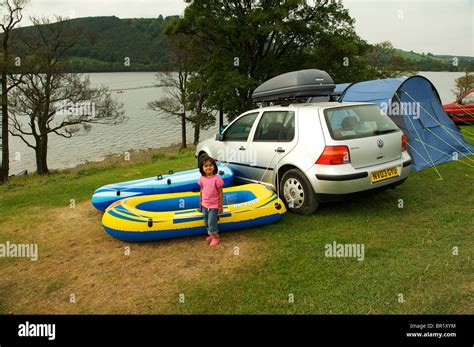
(295,86)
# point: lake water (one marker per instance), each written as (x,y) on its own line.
(144,128)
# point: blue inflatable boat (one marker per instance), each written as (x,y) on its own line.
(184,181)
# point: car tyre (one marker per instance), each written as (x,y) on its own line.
(297,193)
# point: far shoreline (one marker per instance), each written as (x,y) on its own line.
(166,71)
(114,160)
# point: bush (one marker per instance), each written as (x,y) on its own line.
(463,84)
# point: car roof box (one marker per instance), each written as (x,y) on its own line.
(295,85)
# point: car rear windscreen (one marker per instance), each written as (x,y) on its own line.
(352,122)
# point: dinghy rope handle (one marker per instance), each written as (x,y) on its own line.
(160,177)
(277,205)
(151,221)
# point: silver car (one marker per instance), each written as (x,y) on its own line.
(313,152)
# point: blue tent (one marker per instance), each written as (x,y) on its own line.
(340,88)
(414,104)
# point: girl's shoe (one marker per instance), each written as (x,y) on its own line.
(209,238)
(215,241)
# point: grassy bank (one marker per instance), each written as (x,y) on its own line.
(79,183)
(279,268)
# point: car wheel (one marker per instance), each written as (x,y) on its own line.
(297,193)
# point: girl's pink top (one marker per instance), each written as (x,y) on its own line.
(210,192)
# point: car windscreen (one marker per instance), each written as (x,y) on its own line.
(353,122)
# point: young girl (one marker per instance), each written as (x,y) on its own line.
(210,197)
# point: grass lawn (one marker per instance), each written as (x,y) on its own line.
(279,268)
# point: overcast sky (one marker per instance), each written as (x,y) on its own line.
(436,26)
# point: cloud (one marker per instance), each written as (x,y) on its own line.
(422,26)
(119,8)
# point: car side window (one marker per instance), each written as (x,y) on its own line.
(240,129)
(276,126)
(468,99)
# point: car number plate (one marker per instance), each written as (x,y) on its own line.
(382,175)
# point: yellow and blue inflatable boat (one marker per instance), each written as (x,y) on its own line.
(164,216)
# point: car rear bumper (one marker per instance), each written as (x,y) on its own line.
(344,179)
(339,197)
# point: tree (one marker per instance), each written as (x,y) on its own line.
(385,62)
(198,95)
(380,54)
(12,15)
(52,101)
(176,97)
(185,103)
(463,84)
(343,56)
(247,42)
(398,66)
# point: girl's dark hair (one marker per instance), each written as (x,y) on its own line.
(205,160)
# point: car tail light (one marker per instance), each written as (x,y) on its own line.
(334,155)
(404,143)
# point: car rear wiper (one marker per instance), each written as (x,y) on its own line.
(380,132)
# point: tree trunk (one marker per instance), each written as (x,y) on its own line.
(5,147)
(42,155)
(221,117)
(183,130)
(197,130)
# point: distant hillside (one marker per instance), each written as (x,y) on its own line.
(432,62)
(109,40)
(450,57)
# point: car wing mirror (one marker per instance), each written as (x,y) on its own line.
(219,137)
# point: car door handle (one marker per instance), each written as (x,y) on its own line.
(279,150)
(241,148)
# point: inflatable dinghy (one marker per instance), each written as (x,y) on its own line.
(164,216)
(172,183)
